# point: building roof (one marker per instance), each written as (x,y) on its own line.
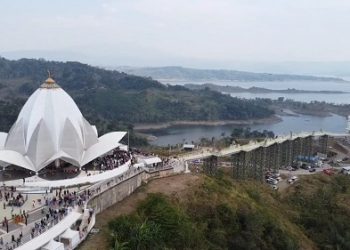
(50,126)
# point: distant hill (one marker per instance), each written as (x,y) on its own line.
(237,89)
(109,98)
(180,73)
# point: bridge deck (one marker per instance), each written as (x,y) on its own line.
(252,145)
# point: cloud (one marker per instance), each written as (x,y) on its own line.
(185,30)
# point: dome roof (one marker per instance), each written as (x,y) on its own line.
(51,126)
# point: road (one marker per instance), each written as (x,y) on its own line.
(283,184)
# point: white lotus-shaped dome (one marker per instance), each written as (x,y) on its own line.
(50,126)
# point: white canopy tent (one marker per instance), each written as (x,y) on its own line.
(71,236)
(152,160)
(188,146)
(53,245)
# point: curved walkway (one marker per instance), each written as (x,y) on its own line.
(52,233)
(88,220)
(81,180)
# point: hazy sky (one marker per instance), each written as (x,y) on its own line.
(169,32)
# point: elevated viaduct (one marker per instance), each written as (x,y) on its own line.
(252,160)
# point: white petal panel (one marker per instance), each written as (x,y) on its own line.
(41,146)
(70,141)
(15,138)
(90,137)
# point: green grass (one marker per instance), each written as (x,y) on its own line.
(217,214)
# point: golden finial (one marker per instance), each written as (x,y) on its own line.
(49,83)
(49,80)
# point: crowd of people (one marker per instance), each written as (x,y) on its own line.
(11,198)
(113,160)
(59,202)
(17,200)
(55,209)
(66,198)
(19,218)
(11,245)
(7,194)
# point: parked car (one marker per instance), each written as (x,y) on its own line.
(328,171)
(311,170)
(306,167)
(276,175)
(272,181)
(278,178)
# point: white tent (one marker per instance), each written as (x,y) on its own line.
(53,245)
(188,146)
(151,161)
(72,236)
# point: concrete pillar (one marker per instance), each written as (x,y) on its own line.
(57,163)
(210,165)
(186,168)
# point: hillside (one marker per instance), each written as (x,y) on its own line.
(112,100)
(201,212)
(190,74)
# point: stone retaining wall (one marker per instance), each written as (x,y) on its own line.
(123,189)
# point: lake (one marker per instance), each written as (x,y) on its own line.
(334,123)
(301,85)
(301,123)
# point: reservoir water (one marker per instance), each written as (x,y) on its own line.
(334,123)
(300,85)
(296,124)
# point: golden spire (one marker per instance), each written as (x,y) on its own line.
(49,80)
(49,83)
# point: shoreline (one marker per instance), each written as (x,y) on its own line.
(164,125)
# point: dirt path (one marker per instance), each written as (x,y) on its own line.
(171,186)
